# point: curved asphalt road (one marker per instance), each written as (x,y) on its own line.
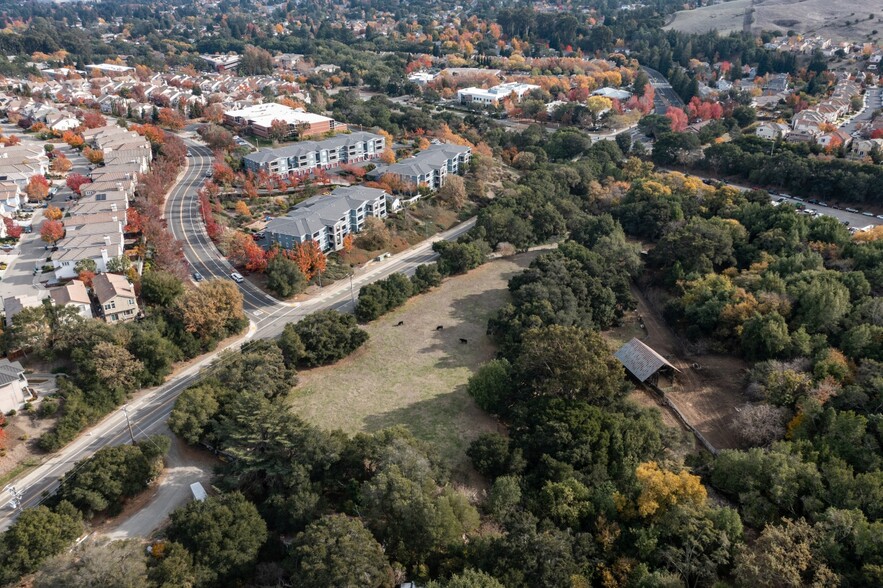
(268,316)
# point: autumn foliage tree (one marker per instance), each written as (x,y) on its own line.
(678,119)
(53,213)
(37,188)
(60,164)
(52,231)
(93,120)
(95,156)
(13,230)
(242,208)
(222,174)
(73,139)
(76,181)
(242,251)
(309,258)
(171,119)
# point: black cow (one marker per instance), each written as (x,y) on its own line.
(464,340)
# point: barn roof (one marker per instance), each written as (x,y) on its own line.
(640,360)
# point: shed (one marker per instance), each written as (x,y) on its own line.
(643,362)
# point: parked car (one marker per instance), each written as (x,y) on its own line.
(208,173)
(852,210)
(197,277)
(237,277)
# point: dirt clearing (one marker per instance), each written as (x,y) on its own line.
(415,375)
(709,396)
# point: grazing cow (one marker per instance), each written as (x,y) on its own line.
(464,340)
(400,323)
(439,328)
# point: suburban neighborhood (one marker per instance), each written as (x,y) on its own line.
(421,295)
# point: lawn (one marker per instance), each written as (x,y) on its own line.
(415,375)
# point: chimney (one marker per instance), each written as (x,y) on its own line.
(107,240)
(113,207)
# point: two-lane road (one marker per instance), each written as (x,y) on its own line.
(268,317)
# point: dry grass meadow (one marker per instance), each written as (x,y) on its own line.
(414,375)
(850,21)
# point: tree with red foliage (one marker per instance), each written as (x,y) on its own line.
(249,189)
(76,181)
(678,119)
(12,141)
(152,133)
(242,251)
(309,258)
(13,230)
(278,130)
(222,174)
(212,228)
(174,150)
(354,170)
(52,231)
(93,120)
(877,134)
(133,220)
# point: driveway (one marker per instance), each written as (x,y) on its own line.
(184,466)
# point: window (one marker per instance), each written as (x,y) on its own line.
(131,302)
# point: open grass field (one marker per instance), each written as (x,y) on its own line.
(840,21)
(414,375)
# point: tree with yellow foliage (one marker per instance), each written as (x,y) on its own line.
(242,208)
(662,489)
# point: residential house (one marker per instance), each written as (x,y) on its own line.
(259,119)
(12,305)
(306,156)
(863,147)
(834,138)
(99,248)
(328,219)
(613,93)
(430,167)
(11,197)
(807,120)
(116,297)
(14,390)
(771,130)
(73,294)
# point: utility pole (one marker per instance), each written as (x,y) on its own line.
(129,424)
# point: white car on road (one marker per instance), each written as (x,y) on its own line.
(237,277)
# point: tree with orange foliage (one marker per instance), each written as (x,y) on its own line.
(242,208)
(86,276)
(222,174)
(278,130)
(348,243)
(53,213)
(388,156)
(60,164)
(95,156)
(309,258)
(93,120)
(171,119)
(249,189)
(213,113)
(12,140)
(37,188)
(133,220)
(73,139)
(242,251)
(52,231)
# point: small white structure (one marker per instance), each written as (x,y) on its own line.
(198,491)
(495,94)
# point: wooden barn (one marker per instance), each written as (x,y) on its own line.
(644,363)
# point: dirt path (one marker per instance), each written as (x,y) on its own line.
(148,511)
(707,397)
